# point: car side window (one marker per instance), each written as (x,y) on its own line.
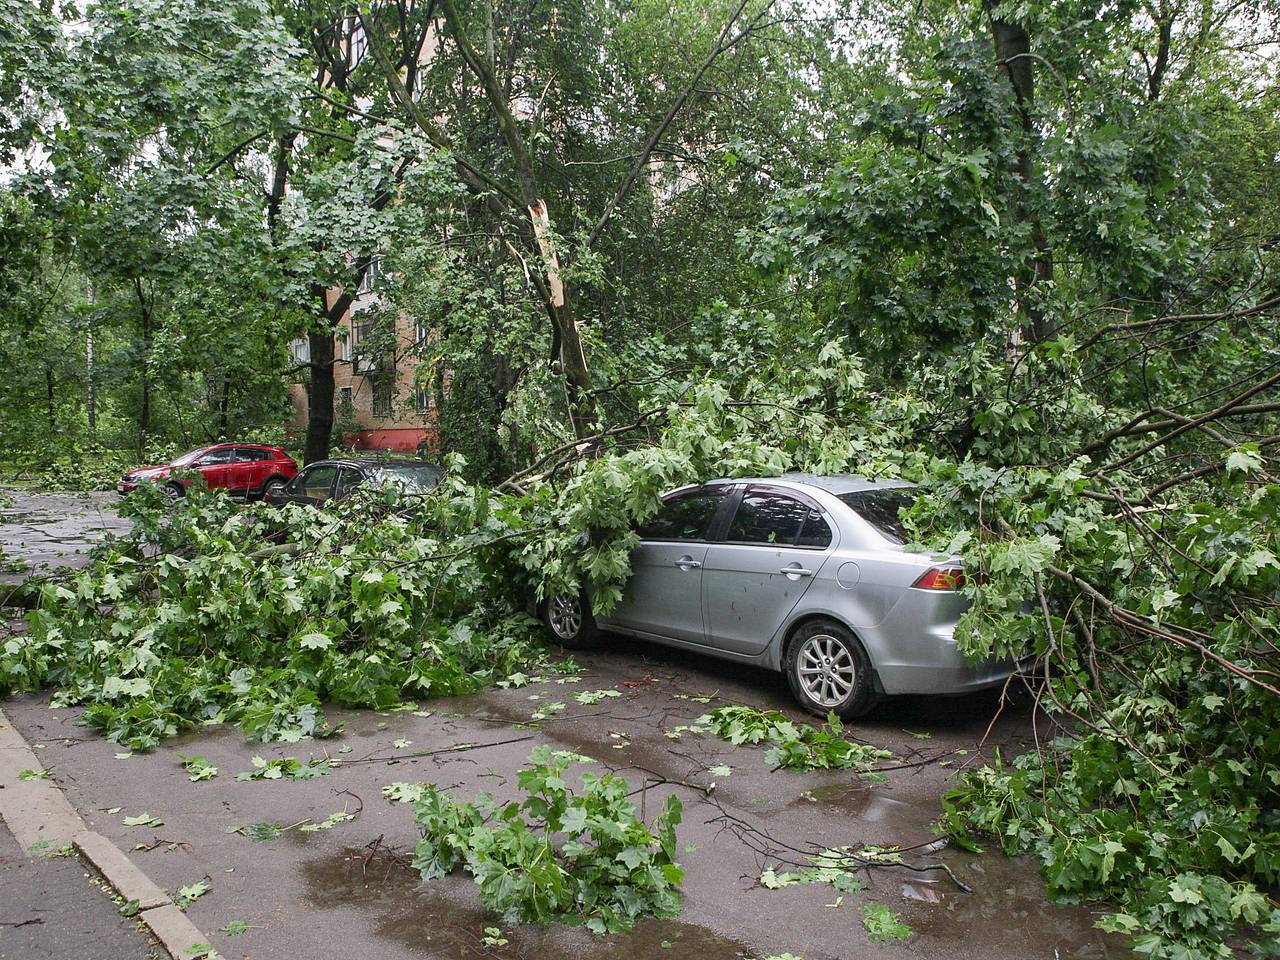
(815,532)
(769,518)
(245,455)
(213,457)
(348,480)
(685,517)
(317,482)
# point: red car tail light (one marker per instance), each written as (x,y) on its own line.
(941,578)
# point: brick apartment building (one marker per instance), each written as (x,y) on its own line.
(376,403)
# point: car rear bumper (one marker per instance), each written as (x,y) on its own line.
(930,678)
(932,663)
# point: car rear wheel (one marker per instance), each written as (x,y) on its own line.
(828,670)
(568,617)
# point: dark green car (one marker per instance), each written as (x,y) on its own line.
(326,480)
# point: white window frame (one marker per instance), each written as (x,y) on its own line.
(370,277)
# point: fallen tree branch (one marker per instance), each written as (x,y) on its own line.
(456,748)
(1136,621)
(1138,325)
(1190,424)
(1205,470)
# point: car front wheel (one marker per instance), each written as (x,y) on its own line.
(828,670)
(568,617)
(172,491)
(272,488)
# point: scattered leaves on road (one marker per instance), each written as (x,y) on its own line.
(882,923)
(143,820)
(191,893)
(285,768)
(198,767)
(589,697)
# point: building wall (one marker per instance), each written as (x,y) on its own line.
(389,413)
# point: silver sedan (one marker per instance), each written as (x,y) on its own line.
(802,574)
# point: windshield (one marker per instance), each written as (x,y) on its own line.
(881,509)
(188,458)
(409,478)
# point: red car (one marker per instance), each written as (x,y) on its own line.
(248,469)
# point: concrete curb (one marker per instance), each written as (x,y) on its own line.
(39,815)
(178,934)
(37,811)
(110,861)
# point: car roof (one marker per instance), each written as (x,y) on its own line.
(836,483)
(379,462)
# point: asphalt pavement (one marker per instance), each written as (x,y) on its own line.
(55,908)
(43,532)
(347,891)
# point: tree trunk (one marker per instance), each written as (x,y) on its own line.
(1013,55)
(49,398)
(320,398)
(573,359)
(224,406)
(90,397)
(144,412)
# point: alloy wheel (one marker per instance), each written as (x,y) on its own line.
(827,670)
(564,614)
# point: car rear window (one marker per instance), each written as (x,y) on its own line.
(882,509)
(410,478)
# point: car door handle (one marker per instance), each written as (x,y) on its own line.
(688,563)
(795,570)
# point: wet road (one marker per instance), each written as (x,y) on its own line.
(306,891)
(347,891)
(52,907)
(41,532)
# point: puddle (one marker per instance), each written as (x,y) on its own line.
(869,805)
(444,920)
(1007,894)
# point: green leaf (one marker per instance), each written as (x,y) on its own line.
(882,924)
(190,893)
(1185,889)
(142,820)
(1245,459)
(198,768)
(315,641)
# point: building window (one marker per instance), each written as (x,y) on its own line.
(422,396)
(345,402)
(344,345)
(358,42)
(300,350)
(420,333)
(370,277)
(362,330)
(384,394)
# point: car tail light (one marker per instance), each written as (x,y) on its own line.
(940,578)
